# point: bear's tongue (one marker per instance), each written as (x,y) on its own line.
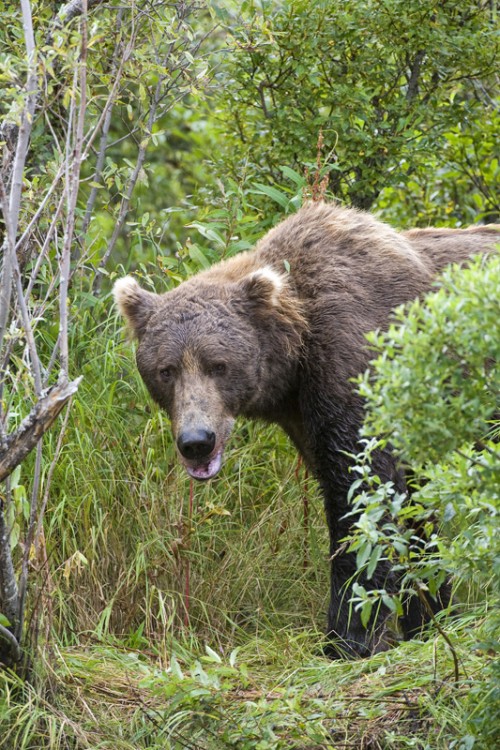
(207,470)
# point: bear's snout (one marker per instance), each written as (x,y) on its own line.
(195,445)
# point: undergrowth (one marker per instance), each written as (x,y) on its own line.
(271,693)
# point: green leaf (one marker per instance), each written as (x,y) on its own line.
(232,657)
(363,554)
(196,254)
(208,232)
(273,193)
(175,668)
(214,656)
(374,559)
(366,610)
(297,178)
(15,533)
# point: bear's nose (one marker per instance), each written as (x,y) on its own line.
(196,444)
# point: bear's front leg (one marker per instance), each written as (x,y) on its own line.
(328,442)
(348,638)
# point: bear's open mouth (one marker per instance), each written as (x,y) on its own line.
(206,469)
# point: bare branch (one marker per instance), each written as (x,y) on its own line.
(105,119)
(73,163)
(45,248)
(33,222)
(48,480)
(8,586)
(11,209)
(125,203)
(28,330)
(10,638)
(413,81)
(19,444)
(75,8)
(23,577)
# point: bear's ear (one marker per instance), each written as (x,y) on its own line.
(269,297)
(134,303)
(263,288)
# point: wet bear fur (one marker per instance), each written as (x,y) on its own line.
(277,334)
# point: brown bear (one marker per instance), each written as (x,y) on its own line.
(278,333)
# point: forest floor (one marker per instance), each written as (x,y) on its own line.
(270,693)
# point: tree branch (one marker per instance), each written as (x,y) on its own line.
(12,207)
(8,585)
(415,68)
(125,202)
(104,121)
(19,444)
(73,164)
(13,645)
(74,8)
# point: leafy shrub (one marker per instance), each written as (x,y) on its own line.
(387,84)
(434,392)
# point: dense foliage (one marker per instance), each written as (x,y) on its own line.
(402,91)
(434,393)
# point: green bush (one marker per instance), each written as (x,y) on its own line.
(433,392)
(386,83)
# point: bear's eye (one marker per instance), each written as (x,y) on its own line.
(218,369)
(167,373)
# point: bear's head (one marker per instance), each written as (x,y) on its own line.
(211,350)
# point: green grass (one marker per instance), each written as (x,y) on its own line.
(274,692)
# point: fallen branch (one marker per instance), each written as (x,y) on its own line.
(18,444)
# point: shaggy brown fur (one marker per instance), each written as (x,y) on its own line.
(277,334)
(443,246)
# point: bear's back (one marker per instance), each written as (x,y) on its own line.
(334,253)
(348,262)
(442,246)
